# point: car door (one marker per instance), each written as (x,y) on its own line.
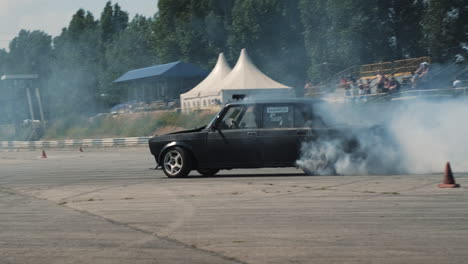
(234,144)
(279,137)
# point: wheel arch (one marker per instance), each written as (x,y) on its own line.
(183,145)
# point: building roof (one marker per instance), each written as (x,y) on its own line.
(174,69)
(210,84)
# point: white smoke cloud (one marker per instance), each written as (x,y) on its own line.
(432,133)
(414,137)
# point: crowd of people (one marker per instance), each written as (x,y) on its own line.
(365,86)
(382,83)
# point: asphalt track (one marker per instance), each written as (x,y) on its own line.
(109,206)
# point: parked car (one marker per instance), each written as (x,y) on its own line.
(122,107)
(249,134)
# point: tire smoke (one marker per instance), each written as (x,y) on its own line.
(411,138)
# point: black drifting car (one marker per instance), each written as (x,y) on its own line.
(247,134)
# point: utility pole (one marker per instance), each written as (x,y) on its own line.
(39,102)
(31,111)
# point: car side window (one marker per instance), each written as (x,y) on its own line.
(240,117)
(250,118)
(305,117)
(278,116)
(300,116)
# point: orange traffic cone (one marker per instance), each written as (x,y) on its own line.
(81,149)
(44,155)
(449,181)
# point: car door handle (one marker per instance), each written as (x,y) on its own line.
(251,134)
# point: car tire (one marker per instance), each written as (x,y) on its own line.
(313,173)
(325,167)
(208,172)
(176,162)
(307,172)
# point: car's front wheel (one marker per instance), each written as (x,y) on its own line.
(208,172)
(177,163)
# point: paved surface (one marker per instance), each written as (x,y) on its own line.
(108,206)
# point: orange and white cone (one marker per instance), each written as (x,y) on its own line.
(449,180)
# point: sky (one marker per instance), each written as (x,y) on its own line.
(53,15)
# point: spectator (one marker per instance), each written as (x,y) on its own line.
(361,85)
(363,88)
(386,86)
(367,86)
(308,88)
(423,69)
(353,84)
(345,84)
(394,85)
(420,74)
(457,83)
(380,82)
(351,78)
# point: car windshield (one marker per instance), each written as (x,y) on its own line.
(213,120)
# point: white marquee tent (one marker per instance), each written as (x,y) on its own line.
(245,79)
(203,94)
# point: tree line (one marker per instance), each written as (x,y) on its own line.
(292,41)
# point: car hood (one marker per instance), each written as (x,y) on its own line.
(180,135)
(187,131)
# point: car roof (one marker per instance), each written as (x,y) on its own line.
(276,100)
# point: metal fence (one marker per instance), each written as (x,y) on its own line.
(105,142)
(461,92)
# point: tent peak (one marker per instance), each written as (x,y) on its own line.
(245,75)
(210,84)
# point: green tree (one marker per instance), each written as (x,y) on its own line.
(113,21)
(446,26)
(315,22)
(406,16)
(272,32)
(3,61)
(30,53)
(106,23)
(131,50)
(119,20)
(191,30)
(72,87)
(340,34)
(218,18)
(166,43)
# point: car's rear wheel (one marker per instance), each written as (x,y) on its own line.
(321,166)
(308,172)
(177,162)
(208,172)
